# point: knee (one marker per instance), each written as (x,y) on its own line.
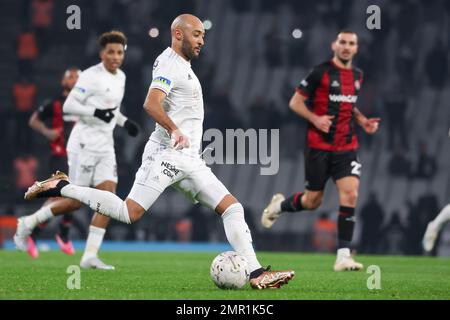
(134,215)
(135,211)
(350,197)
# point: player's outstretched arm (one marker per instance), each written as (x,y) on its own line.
(297,104)
(74,105)
(370,125)
(36,124)
(153,106)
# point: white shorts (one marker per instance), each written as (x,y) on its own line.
(88,169)
(163,166)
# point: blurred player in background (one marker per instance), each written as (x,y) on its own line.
(172,154)
(95,98)
(330,91)
(435,226)
(50,121)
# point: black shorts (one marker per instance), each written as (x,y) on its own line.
(59,164)
(320,165)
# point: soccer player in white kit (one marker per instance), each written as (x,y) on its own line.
(95,98)
(172,155)
(435,226)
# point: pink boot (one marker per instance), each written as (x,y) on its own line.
(66,247)
(32,248)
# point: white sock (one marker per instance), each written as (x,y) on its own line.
(238,234)
(104,202)
(93,242)
(442,218)
(343,252)
(40,216)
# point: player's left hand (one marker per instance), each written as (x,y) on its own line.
(180,141)
(371,125)
(131,127)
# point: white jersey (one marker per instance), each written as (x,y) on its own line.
(96,88)
(184,101)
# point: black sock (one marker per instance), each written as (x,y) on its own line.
(64,226)
(256,273)
(37,230)
(293,203)
(346,223)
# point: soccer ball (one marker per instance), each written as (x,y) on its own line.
(229,270)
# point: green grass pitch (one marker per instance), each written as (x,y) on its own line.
(184,275)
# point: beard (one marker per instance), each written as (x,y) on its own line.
(344,60)
(188,50)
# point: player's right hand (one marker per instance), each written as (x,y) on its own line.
(105,114)
(52,134)
(180,140)
(323,123)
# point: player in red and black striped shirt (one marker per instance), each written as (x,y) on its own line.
(327,99)
(50,121)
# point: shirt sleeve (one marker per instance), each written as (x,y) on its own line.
(121,119)
(45,110)
(84,87)
(309,84)
(76,101)
(163,76)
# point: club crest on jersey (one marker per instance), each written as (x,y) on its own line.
(357,85)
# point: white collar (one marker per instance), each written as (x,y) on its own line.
(106,70)
(184,61)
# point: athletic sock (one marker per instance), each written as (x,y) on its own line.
(64,227)
(346,223)
(343,252)
(293,203)
(93,242)
(37,231)
(256,273)
(238,234)
(40,216)
(442,218)
(103,202)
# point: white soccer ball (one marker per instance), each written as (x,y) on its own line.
(229,270)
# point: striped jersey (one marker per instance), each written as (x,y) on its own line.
(332,90)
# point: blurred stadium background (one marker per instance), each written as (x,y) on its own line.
(251,64)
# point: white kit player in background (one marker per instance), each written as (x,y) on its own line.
(172,155)
(96,99)
(435,227)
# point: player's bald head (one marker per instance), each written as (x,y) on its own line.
(187,35)
(185,22)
